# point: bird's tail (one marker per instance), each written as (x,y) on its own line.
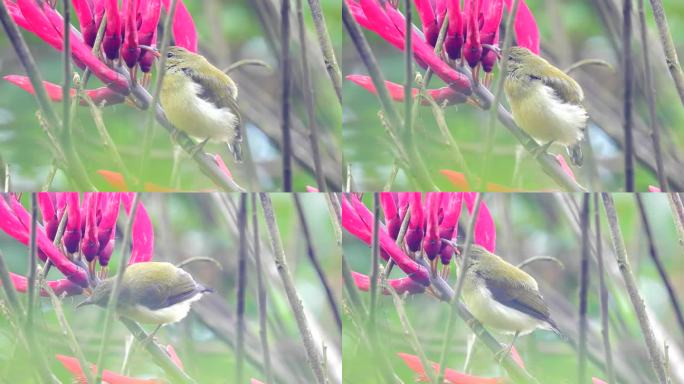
(575,153)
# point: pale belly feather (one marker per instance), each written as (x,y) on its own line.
(197,117)
(545,117)
(166,315)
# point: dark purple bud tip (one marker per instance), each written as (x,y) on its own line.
(394,226)
(89,34)
(51,228)
(431,247)
(472,54)
(111,45)
(71,240)
(106,253)
(146,61)
(103,236)
(446,254)
(90,248)
(130,55)
(413,238)
(488,60)
(453,46)
(431,33)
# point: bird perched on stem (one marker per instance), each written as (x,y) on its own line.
(201,100)
(502,296)
(545,102)
(152,292)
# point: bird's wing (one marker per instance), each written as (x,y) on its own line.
(220,95)
(565,87)
(509,293)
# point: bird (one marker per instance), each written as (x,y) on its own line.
(201,100)
(151,293)
(502,296)
(545,102)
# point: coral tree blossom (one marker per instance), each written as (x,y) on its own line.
(129,28)
(471,37)
(433,217)
(88,237)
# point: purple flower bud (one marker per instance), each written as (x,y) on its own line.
(106,253)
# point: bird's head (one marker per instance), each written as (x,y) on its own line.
(180,57)
(519,58)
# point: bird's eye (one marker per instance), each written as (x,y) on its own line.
(510,58)
(170,54)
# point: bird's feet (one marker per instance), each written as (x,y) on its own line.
(503,353)
(542,149)
(197,148)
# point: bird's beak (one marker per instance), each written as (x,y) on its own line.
(84,302)
(153,50)
(457,247)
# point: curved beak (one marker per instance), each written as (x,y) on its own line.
(83,303)
(150,49)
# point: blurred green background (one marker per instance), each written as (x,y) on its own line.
(539,225)
(227,32)
(570,31)
(190,225)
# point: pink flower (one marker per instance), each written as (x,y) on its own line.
(471,32)
(432,220)
(74,367)
(450,376)
(127,28)
(91,229)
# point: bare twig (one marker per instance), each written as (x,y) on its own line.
(375,264)
(149,120)
(330,295)
(603,295)
(653,252)
(247,62)
(410,333)
(32,267)
(116,288)
(261,296)
(628,67)
(455,299)
(649,90)
(534,259)
(581,63)
(677,214)
(583,290)
(491,128)
(408,73)
(312,353)
(309,101)
(241,288)
(286,84)
(671,59)
(655,353)
(326,47)
(69,161)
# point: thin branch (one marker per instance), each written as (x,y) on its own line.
(671,59)
(581,63)
(75,170)
(410,333)
(326,47)
(330,295)
(583,291)
(653,252)
(286,89)
(149,120)
(375,264)
(8,287)
(309,101)
(313,356)
(116,288)
(533,259)
(176,375)
(455,299)
(261,296)
(246,62)
(655,354)
(677,214)
(649,90)
(628,67)
(408,73)
(32,267)
(603,295)
(491,128)
(241,288)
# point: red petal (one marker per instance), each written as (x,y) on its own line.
(39,23)
(72,365)
(485,229)
(311,189)
(142,238)
(114,179)
(130,51)
(54,91)
(565,167)
(451,376)
(526,30)
(174,356)
(652,188)
(458,179)
(184,32)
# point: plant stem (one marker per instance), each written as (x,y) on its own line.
(261,296)
(286,89)
(241,288)
(671,59)
(326,47)
(583,291)
(628,83)
(603,295)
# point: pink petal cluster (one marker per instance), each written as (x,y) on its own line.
(129,26)
(434,217)
(450,376)
(472,32)
(89,233)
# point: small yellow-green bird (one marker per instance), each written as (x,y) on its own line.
(152,293)
(545,102)
(502,296)
(201,100)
